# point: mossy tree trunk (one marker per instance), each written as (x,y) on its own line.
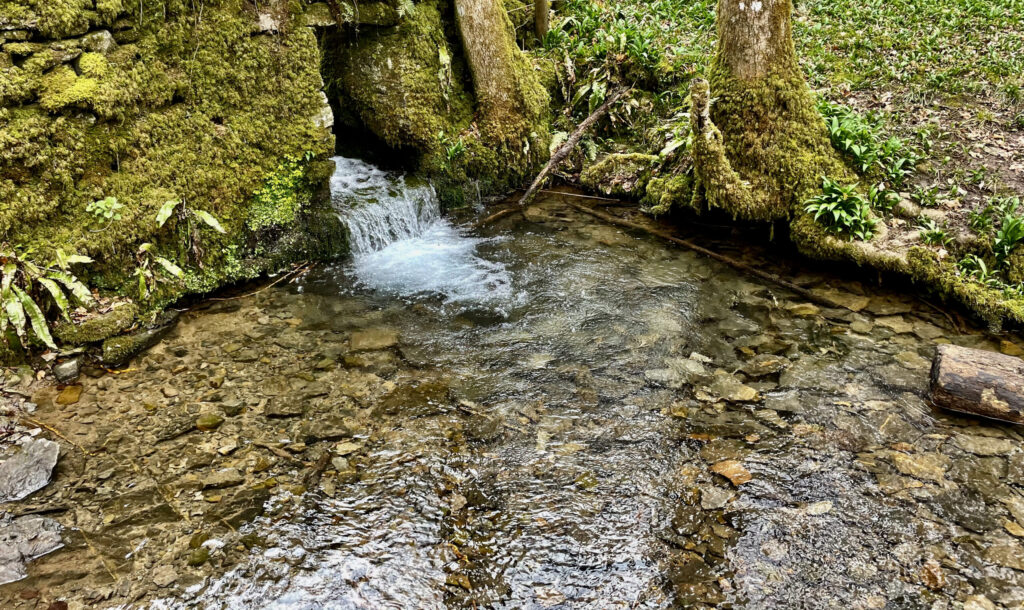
(510,97)
(762,147)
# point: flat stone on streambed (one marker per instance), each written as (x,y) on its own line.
(228,477)
(209,421)
(22,540)
(28,470)
(373,339)
(928,466)
(734,471)
(985,446)
(282,408)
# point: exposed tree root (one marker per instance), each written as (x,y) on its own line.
(735,264)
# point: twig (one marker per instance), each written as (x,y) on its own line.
(570,144)
(735,264)
(281,453)
(294,272)
(56,432)
(496,217)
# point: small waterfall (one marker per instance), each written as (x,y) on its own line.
(401,244)
(380,208)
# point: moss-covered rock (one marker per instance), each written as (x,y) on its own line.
(620,174)
(97,328)
(192,102)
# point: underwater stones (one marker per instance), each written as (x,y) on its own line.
(28,470)
(804,310)
(373,339)
(1010,348)
(1009,554)
(209,421)
(978,602)
(119,350)
(984,445)
(164,576)
(847,300)
(734,471)
(279,408)
(727,387)
(713,498)
(896,324)
(69,395)
(765,364)
(22,540)
(227,477)
(928,466)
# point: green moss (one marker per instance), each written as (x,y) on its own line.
(283,195)
(766,149)
(197,109)
(98,328)
(675,190)
(403,82)
(621,175)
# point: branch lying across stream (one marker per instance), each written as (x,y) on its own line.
(735,264)
(570,144)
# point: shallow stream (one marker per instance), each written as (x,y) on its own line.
(550,413)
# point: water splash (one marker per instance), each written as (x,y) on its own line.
(402,246)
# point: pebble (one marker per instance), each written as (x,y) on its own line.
(734,471)
(209,421)
(978,602)
(712,498)
(804,310)
(931,466)
(896,324)
(228,477)
(373,339)
(163,576)
(69,395)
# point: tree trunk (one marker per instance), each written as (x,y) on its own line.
(978,382)
(541,18)
(762,148)
(509,94)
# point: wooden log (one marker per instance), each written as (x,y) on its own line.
(979,383)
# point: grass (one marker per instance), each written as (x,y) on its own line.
(923,48)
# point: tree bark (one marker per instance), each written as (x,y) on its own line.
(541,18)
(979,383)
(508,92)
(763,147)
(755,37)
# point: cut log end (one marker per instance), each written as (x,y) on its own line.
(979,383)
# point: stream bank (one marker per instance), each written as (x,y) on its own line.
(620,424)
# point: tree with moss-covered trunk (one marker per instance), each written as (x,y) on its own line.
(760,146)
(510,97)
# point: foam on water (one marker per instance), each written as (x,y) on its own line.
(402,246)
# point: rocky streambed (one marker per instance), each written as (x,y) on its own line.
(609,423)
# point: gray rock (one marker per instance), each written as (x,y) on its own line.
(324,117)
(101,41)
(68,371)
(28,470)
(283,408)
(22,540)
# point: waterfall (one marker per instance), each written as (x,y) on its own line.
(401,245)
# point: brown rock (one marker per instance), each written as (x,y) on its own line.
(69,395)
(734,471)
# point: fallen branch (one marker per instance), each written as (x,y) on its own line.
(735,264)
(570,144)
(496,217)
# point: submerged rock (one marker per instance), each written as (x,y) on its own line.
(22,540)
(28,470)
(373,339)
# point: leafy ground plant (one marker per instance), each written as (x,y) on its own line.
(932,234)
(842,210)
(29,290)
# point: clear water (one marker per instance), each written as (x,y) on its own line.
(548,444)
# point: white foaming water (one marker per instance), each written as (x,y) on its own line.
(400,243)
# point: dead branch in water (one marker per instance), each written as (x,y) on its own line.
(570,144)
(735,264)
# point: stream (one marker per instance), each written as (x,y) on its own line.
(549,413)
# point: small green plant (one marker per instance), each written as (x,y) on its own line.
(105,209)
(1010,233)
(842,210)
(146,277)
(282,196)
(974,266)
(932,234)
(980,220)
(926,197)
(28,290)
(881,198)
(861,139)
(453,149)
